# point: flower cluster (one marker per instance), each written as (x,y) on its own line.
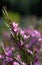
(24,50)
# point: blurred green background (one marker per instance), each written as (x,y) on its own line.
(27,12)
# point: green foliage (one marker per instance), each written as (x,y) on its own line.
(14,16)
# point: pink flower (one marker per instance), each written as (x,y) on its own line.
(40,39)
(21,42)
(36,63)
(0,56)
(8,59)
(3,62)
(15,25)
(18,56)
(15,63)
(22,32)
(12,48)
(8,52)
(29,51)
(16,30)
(23,63)
(37,33)
(26,37)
